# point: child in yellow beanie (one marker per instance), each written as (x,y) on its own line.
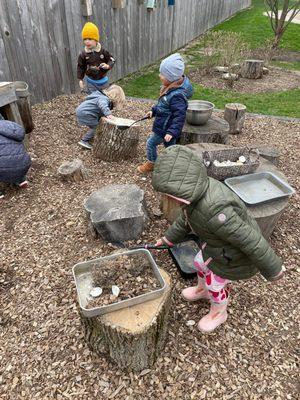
(94,61)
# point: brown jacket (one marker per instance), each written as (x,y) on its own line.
(89,63)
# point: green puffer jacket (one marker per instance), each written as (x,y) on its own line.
(216,215)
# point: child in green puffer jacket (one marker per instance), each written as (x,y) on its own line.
(233,247)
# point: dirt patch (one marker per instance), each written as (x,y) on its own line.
(277,80)
(42,349)
(277,55)
(132,275)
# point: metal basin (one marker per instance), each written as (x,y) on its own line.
(199,112)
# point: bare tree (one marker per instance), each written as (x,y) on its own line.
(280,22)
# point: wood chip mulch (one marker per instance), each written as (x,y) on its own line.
(44,232)
(276,81)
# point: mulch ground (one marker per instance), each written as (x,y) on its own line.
(44,232)
(277,80)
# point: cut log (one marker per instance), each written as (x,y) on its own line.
(72,171)
(266,215)
(235,115)
(117,212)
(114,144)
(23,95)
(214,131)
(132,337)
(252,69)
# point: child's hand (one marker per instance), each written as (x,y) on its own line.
(81,84)
(104,66)
(168,137)
(159,242)
(149,114)
(110,116)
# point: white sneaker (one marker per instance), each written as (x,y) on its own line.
(85,144)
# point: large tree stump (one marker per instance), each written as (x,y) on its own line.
(252,69)
(117,212)
(235,115)
(214,131)
(114,144)
(72,171)
(266,215)
(132,337)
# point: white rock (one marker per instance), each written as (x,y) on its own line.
(115,290)
(242,159)
(190,322)
(96,292)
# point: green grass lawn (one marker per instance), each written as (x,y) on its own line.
(255,29)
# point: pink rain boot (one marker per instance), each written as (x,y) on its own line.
(195,293)
(216,316)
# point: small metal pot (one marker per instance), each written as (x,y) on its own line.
(199,112)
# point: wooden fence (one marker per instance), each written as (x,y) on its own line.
(41,39)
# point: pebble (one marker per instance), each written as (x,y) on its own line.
(191,322)
(96,292)
(115,290)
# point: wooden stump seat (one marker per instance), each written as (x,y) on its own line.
(132,337)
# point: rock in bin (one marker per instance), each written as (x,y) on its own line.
(117,212)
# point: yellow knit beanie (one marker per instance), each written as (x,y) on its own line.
(90,31)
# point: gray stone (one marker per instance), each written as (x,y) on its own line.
(117,212)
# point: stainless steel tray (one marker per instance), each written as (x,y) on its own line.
(84,284)
(260,187)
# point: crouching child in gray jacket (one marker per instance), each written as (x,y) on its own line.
(96,105)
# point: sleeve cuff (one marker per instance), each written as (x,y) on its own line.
(165,240)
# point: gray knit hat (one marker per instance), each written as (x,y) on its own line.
(172,67)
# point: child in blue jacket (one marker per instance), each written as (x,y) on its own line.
(170,110)
(96,105)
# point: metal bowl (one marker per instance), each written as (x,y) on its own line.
(199,112)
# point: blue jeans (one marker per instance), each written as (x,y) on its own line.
(151,146)
(89,135)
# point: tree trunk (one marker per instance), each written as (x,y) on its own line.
(214,131)
(114,144)
(252,69)
(72,171)
(132,337)
(235,115)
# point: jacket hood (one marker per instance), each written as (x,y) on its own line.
(186,88)
(179,171)
(12,130)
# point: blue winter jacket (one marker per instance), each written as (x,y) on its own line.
(170,110)
(14,160)
(94,106)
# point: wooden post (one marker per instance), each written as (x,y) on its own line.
(72,171)
(252,69)
(132,337)
(235,115)
(114,144)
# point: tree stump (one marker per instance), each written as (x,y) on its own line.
(117,212)
(132,337)
(266,215)
(72,171)
(252,69)
(214,131)
(235,115)
(114,144)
